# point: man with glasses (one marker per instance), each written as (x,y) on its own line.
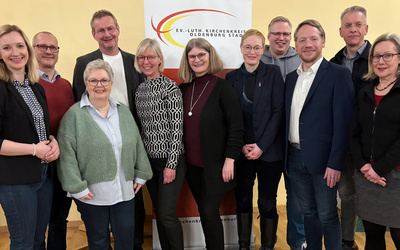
(354,56)
(279,52)
(59,99)
(105,31)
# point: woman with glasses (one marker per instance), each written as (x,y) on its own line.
(160,111)
(213,134)
(260,89)
(26,146)
(103,163)
(375,144)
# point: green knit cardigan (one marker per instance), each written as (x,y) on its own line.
(87,156)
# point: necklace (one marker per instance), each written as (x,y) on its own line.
(198,98)
(106,107)
(387,86)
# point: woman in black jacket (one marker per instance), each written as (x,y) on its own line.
(375,145)
(260,88)
(213,134)
(26,146)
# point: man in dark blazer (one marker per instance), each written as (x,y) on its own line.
(319,101)
(105,31)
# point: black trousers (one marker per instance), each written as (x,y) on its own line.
(268,175)
(208,205)
(164,198)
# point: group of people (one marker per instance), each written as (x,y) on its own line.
(327,128)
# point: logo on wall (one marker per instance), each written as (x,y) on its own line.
(175,31)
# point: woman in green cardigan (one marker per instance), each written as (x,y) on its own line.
(103,163)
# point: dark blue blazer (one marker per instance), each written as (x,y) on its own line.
(268,109)
(325,118)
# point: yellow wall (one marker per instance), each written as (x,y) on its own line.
(69,22)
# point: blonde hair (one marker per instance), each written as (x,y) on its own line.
(215,63)
(153,45)
(31,68)
(251,32)
(313,23)
(279,19)
(390,37)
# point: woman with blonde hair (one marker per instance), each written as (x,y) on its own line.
(261,90)
(375,144)
(26,146)
(159,107)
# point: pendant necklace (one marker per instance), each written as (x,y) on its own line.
(198,98)
(106,107)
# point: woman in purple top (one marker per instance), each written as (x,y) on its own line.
(213,134)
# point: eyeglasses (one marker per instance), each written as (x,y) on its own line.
(95,82)
(110,30)
(248,48)
(348,26)
(279,34)
(201,57)
(386,57)
(43,48)
(149,58)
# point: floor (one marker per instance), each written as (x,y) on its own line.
(76,236)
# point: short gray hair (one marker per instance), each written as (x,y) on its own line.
(353,9)
(98,64)
(102,13)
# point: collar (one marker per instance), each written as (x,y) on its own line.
(313,69)
(24,84)
(45,76)
(358,53)
(86,103)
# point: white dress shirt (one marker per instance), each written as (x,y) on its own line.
(303,85)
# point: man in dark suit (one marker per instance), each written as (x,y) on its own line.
(319,103)
(105,31)
(353,56)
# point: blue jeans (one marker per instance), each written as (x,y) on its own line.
(318,204)
(295,235)
(120,216)
(27,210)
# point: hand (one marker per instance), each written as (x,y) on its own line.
(87,197)
(228,169)
(332,177)
(169,175)
(42,148)
(54,152)
(246,150)
(372,176)
(136,187)
(254,153)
